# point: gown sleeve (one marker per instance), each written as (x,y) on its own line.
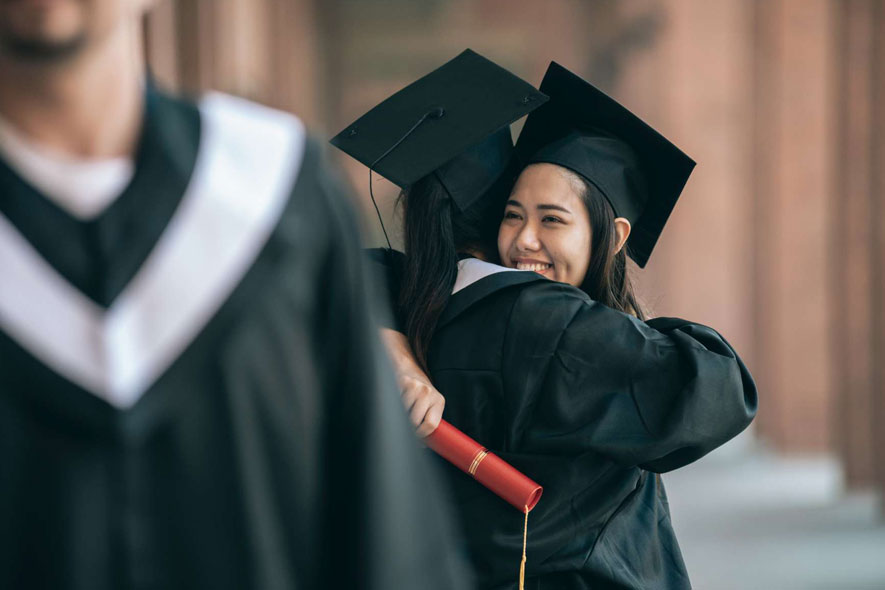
(385,524)
(587,378)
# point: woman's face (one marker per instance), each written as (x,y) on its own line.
(546,227)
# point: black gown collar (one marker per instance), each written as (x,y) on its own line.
(475,292)
(101,255)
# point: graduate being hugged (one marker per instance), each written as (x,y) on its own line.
(545,359)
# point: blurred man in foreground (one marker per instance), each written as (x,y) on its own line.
(190,390)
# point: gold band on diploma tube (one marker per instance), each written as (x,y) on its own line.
(476,461)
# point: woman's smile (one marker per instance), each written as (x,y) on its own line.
(538,266)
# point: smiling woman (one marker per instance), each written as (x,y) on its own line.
(598,186)
(562,227)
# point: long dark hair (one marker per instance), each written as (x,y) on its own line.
(435,233)
(607,280)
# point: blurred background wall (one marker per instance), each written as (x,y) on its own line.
(778,240)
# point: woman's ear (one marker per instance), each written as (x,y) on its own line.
(622,232)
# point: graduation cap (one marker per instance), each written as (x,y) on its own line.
(638,170)
(453,122)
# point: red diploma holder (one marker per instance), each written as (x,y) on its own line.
(487,468)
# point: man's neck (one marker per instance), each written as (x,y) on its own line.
(88,107)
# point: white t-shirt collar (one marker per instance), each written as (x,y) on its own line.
(470,270)
(82,187)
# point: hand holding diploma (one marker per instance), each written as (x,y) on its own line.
(425,406)
(487,468)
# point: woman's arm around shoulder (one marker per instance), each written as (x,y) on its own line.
(584,377)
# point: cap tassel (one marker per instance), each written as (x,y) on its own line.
(525,534)
(378,211)
(433,113)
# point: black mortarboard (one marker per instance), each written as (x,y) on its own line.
(454,121)
(637,169)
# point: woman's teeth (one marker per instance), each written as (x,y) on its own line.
(534,266)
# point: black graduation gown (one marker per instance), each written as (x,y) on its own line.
(590,403)
(263,445)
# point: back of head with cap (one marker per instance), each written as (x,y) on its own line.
(445,139)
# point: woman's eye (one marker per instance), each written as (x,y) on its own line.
(551,219)
(511,215)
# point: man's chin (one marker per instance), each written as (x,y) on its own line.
(41,50)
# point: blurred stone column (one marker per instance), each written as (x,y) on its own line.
(878,223)
(767,53)
(296,57)
(702,268)
(265,50)
(686,67)
(853,226)
(795,139)
(162,45)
